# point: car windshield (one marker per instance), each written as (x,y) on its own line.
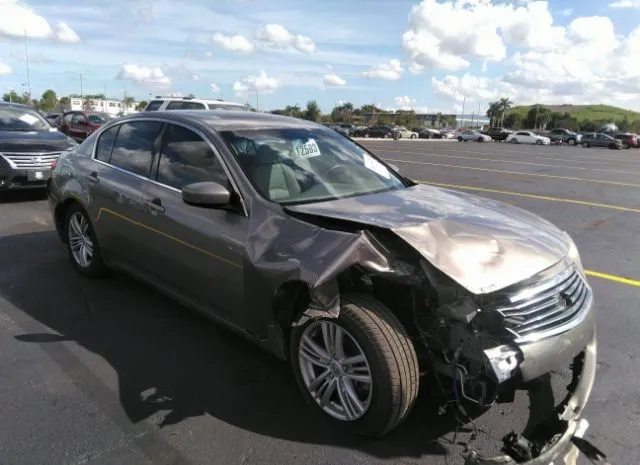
(98,119)
(303,165)
(22,119)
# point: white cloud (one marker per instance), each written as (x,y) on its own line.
(404,102)
(625,4)
(333,80)
(567,12)
(391,71)
(236,43)
(18,20)
(215,88)
(261,83)
(4,69)
(443,35)
(276,36)
(152,77)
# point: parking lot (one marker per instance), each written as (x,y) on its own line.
(109,371)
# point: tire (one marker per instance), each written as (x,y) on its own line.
(95,267)
(413,136)
(538,142)
(366,135)
(585,145)
(572,142)
(480,139)
(625,145)
(389,357)
(514,141)
(460,139)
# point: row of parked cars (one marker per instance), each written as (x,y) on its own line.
(386,131)
(612,140)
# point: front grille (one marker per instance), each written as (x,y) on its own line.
(31,161)
(549,307)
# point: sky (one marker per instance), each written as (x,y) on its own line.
(430,55)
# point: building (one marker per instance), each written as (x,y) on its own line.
(111,107)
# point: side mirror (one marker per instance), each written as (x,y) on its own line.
(394,167)
(206,194)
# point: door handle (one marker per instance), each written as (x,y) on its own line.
(155,205)
(93,177)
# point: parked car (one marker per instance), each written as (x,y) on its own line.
(527,137)
(469,134)
(53,118)
(384,131)
(80,124)
(597,139)
(404,133)
(447,134)
(499,134)
(628,139)
(428,133)
(563,135)
(345,128)
(273,226)
(28,147)
(191,103)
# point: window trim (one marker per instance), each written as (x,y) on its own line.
(117,127)
(216,152)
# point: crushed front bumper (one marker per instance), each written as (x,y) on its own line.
(560,450)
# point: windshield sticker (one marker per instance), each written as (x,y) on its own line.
(53,129)
(308,150)
(29,119)
(375,166)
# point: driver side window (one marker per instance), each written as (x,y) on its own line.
(186,158)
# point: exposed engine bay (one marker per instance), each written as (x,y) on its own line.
(469,351)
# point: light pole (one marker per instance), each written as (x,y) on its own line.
(26,54)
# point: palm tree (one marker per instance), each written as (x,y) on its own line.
(128,102)
(493,113)
(505,105)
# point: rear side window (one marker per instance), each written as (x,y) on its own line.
(154,105)
(133,148)
(186,158)
(181,105)
(105,144)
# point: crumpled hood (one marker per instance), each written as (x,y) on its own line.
(482,244)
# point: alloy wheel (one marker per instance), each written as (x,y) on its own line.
(335,370)
(80,240)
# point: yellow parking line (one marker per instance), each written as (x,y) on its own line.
(533,196)
(505,161)
(610,277)
(552,176)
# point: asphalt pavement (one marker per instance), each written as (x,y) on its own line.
(109,371)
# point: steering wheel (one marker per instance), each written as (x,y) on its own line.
(336,169)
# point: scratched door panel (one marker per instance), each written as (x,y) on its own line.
(198,251)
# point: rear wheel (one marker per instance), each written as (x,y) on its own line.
(572,142)
(459,139)
(586,145)
(360,369)
(514,141)
(625,145)
(82,243)
(414,136)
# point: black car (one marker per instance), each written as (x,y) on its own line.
(497,133)
(598,139)
(384,131)
(29,145)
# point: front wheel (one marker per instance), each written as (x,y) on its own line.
(538,142)
(572,142)
(360,369)
(413,136)
(514,141)
(460,139)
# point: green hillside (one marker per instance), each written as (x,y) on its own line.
(581,113)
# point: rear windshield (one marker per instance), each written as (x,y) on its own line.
(222,106)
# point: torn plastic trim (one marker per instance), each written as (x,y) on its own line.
(568,414)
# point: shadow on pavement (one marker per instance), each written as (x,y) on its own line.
(26,195)
(168,358)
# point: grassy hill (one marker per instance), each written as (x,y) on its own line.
(586,112)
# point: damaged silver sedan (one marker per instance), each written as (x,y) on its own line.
(368,283)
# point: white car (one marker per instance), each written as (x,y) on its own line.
(404,133)
(188,103)
(527,137)
(469,134)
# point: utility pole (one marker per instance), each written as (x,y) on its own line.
(81,91)
(473,113)
(478,114)
(462,115)
(257,100)
(26,53)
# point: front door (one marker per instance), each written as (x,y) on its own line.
(197,251)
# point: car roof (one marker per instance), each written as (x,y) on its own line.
(227,120)
(183,99)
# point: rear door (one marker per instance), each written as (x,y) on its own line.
(123,160)
(197,251)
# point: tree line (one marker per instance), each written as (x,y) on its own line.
(541,117)
(365,114)
(49,100)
